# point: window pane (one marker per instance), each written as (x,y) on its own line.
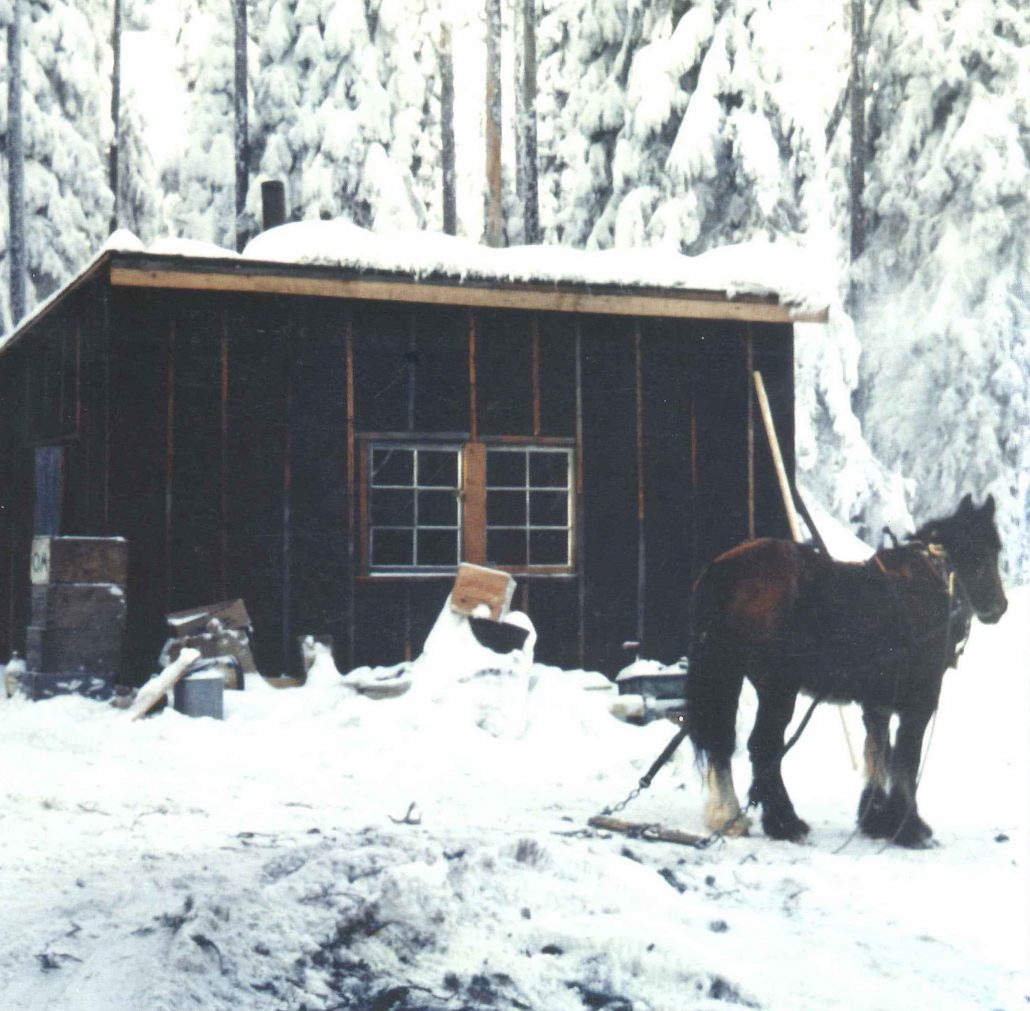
(548,547)
(437,468)
(549,470)
(506,547)
(393,466)
(392,507)
(438,547)
(506,468)
(437,509)
(392,547)
(549,508)
(505,508)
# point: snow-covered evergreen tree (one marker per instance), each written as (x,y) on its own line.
(664,124)
(946,321)
(67,202)
(139,198)
(347,109)
(199,183)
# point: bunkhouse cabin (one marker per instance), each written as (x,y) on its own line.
(327,440)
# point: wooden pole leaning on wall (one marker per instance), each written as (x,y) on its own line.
(777,457)
(787,494)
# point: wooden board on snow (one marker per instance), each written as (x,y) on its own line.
(161,683)
(647,831)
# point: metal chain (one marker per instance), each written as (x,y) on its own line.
(623,804)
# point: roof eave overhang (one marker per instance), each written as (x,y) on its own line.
(180,273)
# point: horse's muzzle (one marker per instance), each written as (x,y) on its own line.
(993,616)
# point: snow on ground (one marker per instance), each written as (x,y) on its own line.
(264,862)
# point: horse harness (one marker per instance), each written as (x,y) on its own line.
(959,617)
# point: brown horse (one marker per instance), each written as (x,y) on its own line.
(881,633)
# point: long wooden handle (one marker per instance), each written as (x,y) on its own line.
(774,447)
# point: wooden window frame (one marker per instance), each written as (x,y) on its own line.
(473,521)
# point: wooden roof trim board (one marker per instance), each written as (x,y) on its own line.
(625,302)
(177,273)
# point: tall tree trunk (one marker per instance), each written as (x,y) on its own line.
(242,142)
(857,162)
(15,165)
(450,204)
(116,112)
(529,193)
(494,213)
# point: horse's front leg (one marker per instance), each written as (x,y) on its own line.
(874,817)
(765,746)
(906,827)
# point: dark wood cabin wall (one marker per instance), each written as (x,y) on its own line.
(319,581)
(259,400)
(412,374)
(138,487)
(15,505)
(76,333)
(720,384)
(193,538)
(670,508)
(610,503)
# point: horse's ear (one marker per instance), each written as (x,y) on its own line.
(966,505)
(988,509)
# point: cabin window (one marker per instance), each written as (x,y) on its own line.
(528,507)
(428,506)
(414,507)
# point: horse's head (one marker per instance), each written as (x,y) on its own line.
(971,540)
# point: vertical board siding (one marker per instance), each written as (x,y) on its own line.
(318,513)
(609,564)
(382,339)
(720,391)
(196,465)
(94,406)
(441,370)
(15,506)
(557,376)
(668,527)
(504,373)
(259,343)
(139,327)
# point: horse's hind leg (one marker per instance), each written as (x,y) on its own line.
(765,745)
(874,818)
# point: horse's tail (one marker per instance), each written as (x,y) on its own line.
(713,678)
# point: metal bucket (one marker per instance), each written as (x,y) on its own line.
(200,694)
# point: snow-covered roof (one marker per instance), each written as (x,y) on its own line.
(728,282)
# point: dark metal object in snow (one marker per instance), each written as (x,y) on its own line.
(641,678)
(498,636)
(201,691)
